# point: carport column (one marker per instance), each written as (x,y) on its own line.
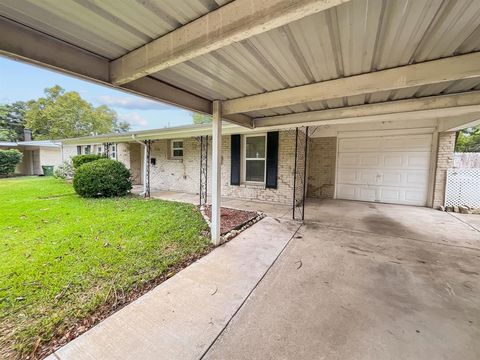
(216,171)
(146,168)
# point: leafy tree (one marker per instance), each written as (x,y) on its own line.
(468,140)
(201,118)
(60,115)
(12,121)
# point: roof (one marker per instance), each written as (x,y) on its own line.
(37,143)
(356,37)
(156,134)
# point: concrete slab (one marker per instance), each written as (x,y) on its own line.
(347,294)
(271,209)
(472,220)
(392,220)
(182,317)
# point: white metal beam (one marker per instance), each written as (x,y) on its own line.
(22,43)
(233,22)
(216,172)
(459,122)
(469,101)
(430,72)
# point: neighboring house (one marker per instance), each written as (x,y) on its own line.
(399,161)
(35,155)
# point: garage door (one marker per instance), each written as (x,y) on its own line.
(389,169)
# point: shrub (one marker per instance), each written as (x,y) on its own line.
(79,160)
(9,159)
(102,178)
(64,170)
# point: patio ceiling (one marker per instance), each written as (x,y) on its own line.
(326,40)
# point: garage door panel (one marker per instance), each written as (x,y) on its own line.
(384,169)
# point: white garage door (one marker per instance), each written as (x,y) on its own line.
(389,169)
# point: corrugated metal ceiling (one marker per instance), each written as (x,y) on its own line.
(357,37)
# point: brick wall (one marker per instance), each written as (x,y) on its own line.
(286,164)
(321,167)
(445,159)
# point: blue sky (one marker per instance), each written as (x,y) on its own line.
(21,81)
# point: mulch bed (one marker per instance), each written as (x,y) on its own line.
(231,219)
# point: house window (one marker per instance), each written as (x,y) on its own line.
(99,150)
(113,154)
(177,149)
(79,150)
(87,149)
(255,156)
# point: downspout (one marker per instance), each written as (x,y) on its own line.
(146,165)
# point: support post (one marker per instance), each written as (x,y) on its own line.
(216,171)
(146,169)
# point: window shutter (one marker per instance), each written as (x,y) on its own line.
(235,160)
(272,159)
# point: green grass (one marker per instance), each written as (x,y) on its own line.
(63,257)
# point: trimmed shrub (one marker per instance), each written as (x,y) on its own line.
(64,171)
(102,178)
(9,159)
(79,160)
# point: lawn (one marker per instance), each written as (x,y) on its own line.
(64,259)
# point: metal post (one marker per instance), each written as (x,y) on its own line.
(216,171)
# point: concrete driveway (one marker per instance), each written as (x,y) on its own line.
(365,281)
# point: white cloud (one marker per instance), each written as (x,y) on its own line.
(135,119)
(132,102)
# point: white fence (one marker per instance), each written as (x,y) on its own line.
(463,187)
(467,160)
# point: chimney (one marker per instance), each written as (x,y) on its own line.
(27,135)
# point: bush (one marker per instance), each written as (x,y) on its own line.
(79,160)
(64,170)
(102,178)
(9,159)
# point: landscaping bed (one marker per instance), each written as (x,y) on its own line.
(233,219)
(67,262)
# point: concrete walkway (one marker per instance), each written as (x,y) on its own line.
(183,316)
(275,210)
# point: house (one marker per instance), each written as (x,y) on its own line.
(400,161)
(383,83)
(35,155)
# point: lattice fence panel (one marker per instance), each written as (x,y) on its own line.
(463,187)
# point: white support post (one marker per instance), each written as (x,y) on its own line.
(216,171)
(146,168)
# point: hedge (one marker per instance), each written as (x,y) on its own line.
(79,160)
(102,178)
(9,159)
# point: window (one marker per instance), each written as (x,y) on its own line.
(99,150)
(177,149)
(79,150)
(255,155)
(113,155)
(87,149)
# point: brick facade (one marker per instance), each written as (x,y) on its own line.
(445,158)
(321,167)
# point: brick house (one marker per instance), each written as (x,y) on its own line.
(399,162)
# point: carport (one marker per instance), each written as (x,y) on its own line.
(273,64)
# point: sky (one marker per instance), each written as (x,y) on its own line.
(21,81)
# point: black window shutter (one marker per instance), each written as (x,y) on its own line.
(272,159)
(235,157)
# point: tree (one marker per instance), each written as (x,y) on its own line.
(468,140)
(12,121)
(201,118)
(61,115)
